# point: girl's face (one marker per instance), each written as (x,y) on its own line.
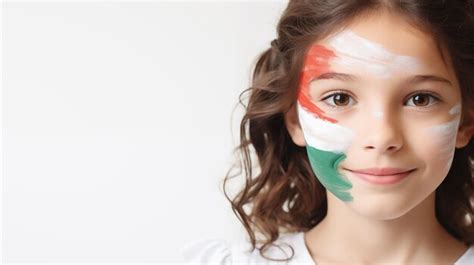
(378,95)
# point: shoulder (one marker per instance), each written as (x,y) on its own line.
(207,251)
(467,258)
(219,251)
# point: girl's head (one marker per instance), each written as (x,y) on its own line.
(397,104)
(356,84)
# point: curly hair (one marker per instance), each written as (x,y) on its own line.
(284,195)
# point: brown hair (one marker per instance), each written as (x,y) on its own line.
(284,195)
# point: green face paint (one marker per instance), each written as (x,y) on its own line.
(324,165)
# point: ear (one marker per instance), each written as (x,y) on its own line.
(466,130)
(293,126)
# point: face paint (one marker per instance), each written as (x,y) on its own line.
(316,62)
(455,110)
(326,146)
(360,53)
(326,141)
(378,114)
(445,136)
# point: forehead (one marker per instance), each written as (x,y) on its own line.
(385,41)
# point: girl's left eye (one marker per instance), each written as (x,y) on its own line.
(423,99)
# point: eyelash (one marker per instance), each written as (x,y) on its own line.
(340,92)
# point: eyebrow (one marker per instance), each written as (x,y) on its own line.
(352,78)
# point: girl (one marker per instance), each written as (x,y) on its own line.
(360,117)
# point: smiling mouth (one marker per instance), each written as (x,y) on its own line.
(381,171)
(382,179)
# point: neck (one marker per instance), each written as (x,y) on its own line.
(345,235)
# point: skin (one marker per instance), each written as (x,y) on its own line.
(327,141)
(400,218)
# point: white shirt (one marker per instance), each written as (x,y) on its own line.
(218,251)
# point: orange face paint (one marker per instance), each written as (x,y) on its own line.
(316,63)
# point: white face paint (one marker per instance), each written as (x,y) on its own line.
(444,135)
(324,135)
(355,52)
(378,114)
(455,110)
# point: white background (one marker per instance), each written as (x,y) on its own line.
(117,125)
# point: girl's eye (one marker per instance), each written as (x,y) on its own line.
(338,99)
(423,99)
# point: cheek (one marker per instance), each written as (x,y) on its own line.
(324,135)
(326,144)
(438,144)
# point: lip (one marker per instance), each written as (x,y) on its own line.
(382,176)
(382,171)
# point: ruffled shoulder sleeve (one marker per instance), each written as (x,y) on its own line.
(207,251)
(217,251)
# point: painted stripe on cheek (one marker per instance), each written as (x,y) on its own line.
(327,143)
(324,135)
(455,110)
(326,140)
(445,134)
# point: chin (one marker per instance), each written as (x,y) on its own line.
(380,207)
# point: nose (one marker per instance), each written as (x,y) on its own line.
(382,133)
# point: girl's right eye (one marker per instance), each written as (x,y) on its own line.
(338,99)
